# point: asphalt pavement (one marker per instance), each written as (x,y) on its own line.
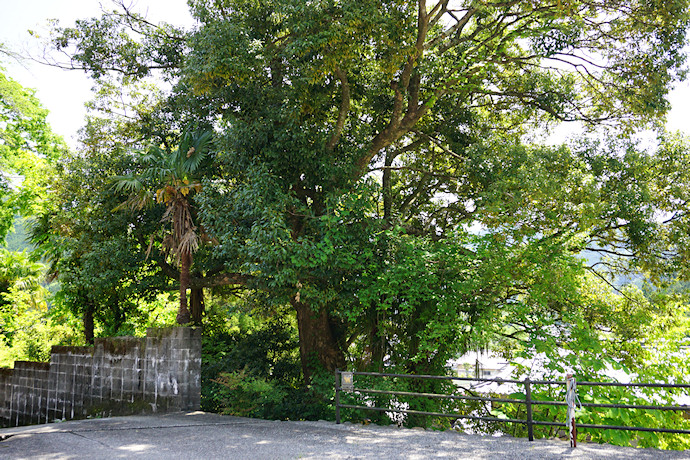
(199,435)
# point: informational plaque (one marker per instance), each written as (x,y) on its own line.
(347,381)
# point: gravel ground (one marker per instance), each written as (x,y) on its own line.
(210,436)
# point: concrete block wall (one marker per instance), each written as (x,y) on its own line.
(117,376)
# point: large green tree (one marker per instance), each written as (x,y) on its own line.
(358,138)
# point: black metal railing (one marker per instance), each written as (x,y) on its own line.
(529,402)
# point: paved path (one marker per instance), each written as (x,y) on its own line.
(210,436)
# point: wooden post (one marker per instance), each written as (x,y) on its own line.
(528,403)
(337,396)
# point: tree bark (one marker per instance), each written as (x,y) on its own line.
(183,316)
(87,321)
(317,343)
(196,304)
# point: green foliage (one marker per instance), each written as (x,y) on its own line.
(606,335)
(170,178)
(17,240)
(28,153)
(28,327)
(106,261)
(247,396)
(108,43)
(250,367)
(28,148)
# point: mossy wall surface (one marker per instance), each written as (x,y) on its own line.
(117,376)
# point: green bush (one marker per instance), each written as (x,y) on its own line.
(246,396)
(253,369)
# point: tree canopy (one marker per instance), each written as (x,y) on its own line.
(357,143)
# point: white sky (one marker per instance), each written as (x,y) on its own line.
(63,93)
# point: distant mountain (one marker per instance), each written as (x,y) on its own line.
(17,238)
(593,257)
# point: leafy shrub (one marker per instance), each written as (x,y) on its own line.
(253,369)
(246,396)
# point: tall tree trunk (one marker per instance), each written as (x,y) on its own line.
(183,316)
(196,304)
(87,321)
(376,344)
(317,342)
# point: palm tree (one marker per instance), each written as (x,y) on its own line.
(170,178)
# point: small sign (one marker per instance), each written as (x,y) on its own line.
(347,381)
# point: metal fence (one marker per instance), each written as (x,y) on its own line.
(345,381)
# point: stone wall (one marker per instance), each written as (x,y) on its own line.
(117,376)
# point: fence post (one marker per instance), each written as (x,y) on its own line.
(528,403)
(337,396)
(570,399)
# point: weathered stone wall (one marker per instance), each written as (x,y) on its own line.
(117,376)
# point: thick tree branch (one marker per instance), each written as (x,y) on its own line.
(344,109)
(400,123)
(212,279)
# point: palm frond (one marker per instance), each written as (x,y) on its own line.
(203,140)
(194,161)
(136,201)
(194,149)
(160,174)
(168,177)
(128,183)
